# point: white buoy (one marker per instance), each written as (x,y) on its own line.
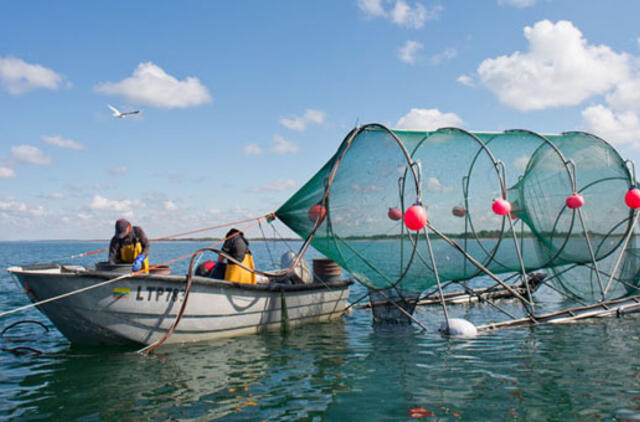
(459,327)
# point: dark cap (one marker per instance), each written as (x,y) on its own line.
(121,228)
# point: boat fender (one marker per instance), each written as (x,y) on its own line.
(459,327)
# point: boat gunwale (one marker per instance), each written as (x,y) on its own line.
(175,278)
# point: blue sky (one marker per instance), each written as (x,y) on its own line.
(241,102)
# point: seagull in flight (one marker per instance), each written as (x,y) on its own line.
(117,113)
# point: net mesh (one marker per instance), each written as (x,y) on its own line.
(352,205)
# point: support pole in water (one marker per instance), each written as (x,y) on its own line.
(593,256)
(435,272)
(525,279)
(634,206)
(622,251)
(575,202)
(481,267)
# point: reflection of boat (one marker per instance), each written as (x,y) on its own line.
(238,378)
(140,309)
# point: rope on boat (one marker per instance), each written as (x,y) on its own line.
(113,280)
(157,239)
(154,346)
(21,349)
(189,280)
(24,321)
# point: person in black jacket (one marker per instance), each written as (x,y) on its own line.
(236,247)
(129,245)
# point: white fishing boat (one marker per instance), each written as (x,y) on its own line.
(141,309)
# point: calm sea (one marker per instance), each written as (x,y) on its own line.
(346,370)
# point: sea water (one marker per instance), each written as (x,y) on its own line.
(345,370)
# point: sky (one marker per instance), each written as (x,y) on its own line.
(243,101)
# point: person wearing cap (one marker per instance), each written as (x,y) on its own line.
(129,245)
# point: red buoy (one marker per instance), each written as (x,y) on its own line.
(458,211)
(632,198)
(415,218)
(394,214)
(501,206)
(317,213)
(575,201)
(420,412)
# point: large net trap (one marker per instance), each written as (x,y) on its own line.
(496,203)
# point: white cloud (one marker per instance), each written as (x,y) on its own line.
(19,77)
(371,7)
(446,55)
(283,146)
(366,188)
(517,3)
(408,52)
(401,13)
(61,142)
(13,206)
(621,128)
(37,211)
(428,119)
(56,196)
(170,206)
(101,203)
(626,95)
(280,146)
(16,208)
(117,170)
(151,85)
(405,15)
(277,186)
(433,184)
(7,173)
(465,80)
(29,154)
(560,69)
(300,123)
(252,149)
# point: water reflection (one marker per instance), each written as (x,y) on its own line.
(343,370)
(234,378)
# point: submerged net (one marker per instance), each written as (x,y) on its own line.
(352,204)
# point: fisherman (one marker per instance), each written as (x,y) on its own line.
(129,245)
(237,247)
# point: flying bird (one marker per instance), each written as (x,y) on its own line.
(117,113)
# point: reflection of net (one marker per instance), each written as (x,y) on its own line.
(459,174)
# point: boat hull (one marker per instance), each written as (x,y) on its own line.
(142,308)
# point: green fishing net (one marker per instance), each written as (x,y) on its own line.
(376,174)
